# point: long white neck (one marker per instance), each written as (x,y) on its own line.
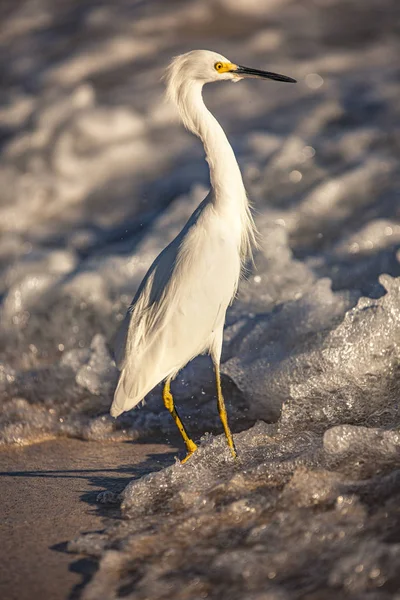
(225,176)
(229,195)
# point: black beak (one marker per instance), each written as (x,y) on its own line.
(247,72)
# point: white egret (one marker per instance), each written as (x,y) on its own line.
(179,309)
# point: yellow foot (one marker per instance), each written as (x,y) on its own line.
(191,447)
(233,451)
(231,445)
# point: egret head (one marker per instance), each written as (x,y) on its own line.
(187,74)
(204,66)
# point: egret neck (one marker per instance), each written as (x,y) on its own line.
(229,194)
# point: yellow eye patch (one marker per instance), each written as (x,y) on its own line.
(225,67)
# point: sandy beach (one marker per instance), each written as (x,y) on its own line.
(49,495)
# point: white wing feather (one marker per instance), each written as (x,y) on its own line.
(179,309)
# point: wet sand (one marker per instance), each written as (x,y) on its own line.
(49,495)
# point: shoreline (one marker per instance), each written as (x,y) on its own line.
(49,497)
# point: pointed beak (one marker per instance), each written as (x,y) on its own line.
(247,72)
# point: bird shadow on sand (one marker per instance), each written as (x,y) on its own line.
(108,483)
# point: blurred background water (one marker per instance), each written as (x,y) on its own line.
(96,176)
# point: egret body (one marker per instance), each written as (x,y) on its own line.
(179,309)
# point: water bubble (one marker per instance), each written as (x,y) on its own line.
(314,81)
(295,176)
(308,151)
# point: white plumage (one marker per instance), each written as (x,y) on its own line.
(179,309)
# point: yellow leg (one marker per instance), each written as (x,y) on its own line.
(222,412)
(169,405)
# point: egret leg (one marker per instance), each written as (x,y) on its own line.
(222,412)
(169,405)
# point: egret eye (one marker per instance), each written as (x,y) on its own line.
(218,66)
